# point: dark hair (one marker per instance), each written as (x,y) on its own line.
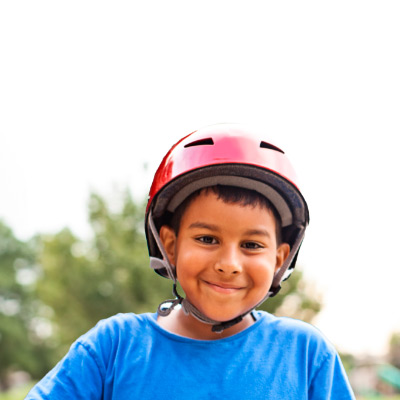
(229,194)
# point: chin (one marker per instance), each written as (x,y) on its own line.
(221,316)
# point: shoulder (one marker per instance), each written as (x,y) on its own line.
(91,358)
(117,326)
(118,322)
(292,332)
(290,326)
(115,333)
(307,350)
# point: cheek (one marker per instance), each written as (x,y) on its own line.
(263,273)
(186,266)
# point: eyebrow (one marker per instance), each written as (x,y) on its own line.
(259,232)
(211,227)
(203,225)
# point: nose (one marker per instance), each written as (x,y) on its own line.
(229,262)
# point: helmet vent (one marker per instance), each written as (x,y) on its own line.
(201,142)
(265,145)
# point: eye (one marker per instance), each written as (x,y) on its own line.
(252,246)
(207,240)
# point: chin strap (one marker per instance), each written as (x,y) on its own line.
(157,263)
(285,271)
(167,306)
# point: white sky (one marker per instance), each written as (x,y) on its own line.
(92,90)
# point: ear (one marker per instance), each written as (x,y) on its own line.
(168,239)
(282,253)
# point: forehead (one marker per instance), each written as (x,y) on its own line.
(208,206)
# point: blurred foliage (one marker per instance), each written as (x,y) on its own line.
(20,346)
(296,299)
(349,361)
(84,282)
(56,287)
(394,349)
(18,392)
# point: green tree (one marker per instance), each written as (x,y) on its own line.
(394,349)
(21,347)
(85,281)
(297,299)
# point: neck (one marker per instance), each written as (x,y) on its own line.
(179,323)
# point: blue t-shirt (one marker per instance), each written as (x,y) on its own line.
(130,356)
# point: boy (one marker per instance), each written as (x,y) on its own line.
(225,219)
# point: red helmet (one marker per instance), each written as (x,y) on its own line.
(226,154)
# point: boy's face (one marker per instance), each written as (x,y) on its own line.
(225,254)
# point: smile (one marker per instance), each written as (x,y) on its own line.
(223,288)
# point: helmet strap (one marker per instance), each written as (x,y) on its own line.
(167,306)
(285,271)
(156,263)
